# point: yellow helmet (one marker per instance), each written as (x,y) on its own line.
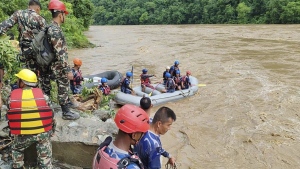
(28,77)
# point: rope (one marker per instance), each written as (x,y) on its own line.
(167,166)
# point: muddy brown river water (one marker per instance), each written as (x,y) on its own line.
(247,116)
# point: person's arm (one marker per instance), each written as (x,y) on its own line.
(168,155)
(60,50)
(127,85)
(9,23)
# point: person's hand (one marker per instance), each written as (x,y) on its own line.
(70,76)
(172,161)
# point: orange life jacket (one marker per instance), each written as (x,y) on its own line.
(29,112)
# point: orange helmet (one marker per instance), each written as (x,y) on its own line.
(57,5)
(188,72)
(131,119)
(77,62)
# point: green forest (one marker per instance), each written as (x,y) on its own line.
(84,13)
(139,12)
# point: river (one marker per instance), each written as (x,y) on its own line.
(247,114)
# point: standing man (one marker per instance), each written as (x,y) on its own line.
(60,68)
(27,20)
(30,120)
(149,148)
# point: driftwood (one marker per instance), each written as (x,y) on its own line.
(92,102)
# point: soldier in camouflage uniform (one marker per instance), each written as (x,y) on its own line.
(30,121)
(28,20)
(60,68)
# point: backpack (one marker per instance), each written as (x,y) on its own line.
(42,48)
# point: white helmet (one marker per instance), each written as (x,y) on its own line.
(168,67)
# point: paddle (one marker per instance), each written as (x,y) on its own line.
(201,85)
(154,89)
(132,76)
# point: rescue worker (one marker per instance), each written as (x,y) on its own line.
(104,87)
(177,80)
(164,74)
(132,122)
(75,83)
(125,84)
(174,68)
(59,68)
(185,80)
(149,148)
(27,20)
(30,120)
(170,85)
(145,80)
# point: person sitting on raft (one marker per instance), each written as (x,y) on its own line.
(145,80)
(165,79)
(104,87)
(177,80)
(75,84)
(170,85)
(173,68)
(125,84)
(185,80)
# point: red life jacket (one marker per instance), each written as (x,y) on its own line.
(177,80)
(29,112)
(77,77)
(105,89)
(145,79)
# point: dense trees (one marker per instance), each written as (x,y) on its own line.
(196,11)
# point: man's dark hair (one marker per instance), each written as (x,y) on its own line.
(34,2)
(163,114)
(145,103)
(55,13)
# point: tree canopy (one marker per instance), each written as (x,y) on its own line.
(137,12)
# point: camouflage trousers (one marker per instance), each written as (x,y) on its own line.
(63,86)
(43,147)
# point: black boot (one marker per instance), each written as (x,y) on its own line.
(67,114)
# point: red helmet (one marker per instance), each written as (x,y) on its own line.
(57,5)
(77,62)
(131,119)
(188,72)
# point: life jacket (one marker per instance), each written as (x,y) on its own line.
(29,112)
(177,80)
(105,89)
(103,161)
(145,79)
(186,82)
(123,84)
(173,69)
(170,84)
(77,77)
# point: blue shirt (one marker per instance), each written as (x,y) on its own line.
(149,149)
(115,152)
